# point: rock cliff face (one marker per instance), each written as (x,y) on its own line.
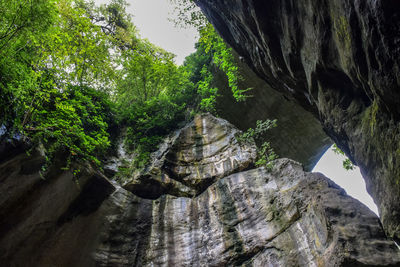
(194,158)
(256,217)
(298,136)
(339,59)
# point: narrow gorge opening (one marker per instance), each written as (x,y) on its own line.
(331,165)
(154,20)
(129,140)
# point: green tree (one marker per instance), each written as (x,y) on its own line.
(21,19)
(49,48)
(222,57)
(152,97)
(20,23)
(147,71)
(74,122)
(76,49)
(189,15)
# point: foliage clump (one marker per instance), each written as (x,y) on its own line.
(218,55)
(51,55)
(265,153)
(71,72)
(347,164)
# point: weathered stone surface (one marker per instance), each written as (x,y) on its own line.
(10,147)
(254,218)
(124,238)
(283,217)
(51,221)
(193,158)
(298,136)
(340,60)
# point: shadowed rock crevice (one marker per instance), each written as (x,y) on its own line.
(94,192)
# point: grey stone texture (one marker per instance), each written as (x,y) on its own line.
(245,217)
(338,59)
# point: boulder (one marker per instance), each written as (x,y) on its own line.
(193,158)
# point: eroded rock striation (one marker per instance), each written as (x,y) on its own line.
(285,217)
(254,217)
(193,158)
(339,59)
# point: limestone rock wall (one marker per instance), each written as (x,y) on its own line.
(256,217)
(51,220)
(193,158)
(259,218)
(338,59)
(298,136)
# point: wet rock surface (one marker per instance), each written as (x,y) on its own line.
(257,217)
(338,59)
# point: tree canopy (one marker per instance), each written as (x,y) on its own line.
(70,71)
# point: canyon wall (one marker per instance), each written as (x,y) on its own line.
(206,205)
(338,59)
(298,135)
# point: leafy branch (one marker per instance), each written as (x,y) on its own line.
(265,153)
(347,164)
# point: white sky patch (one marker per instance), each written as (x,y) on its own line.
(330,165)
(151,19)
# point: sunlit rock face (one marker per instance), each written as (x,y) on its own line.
(338,59)
(193,158)
(254,217)
(284,217)
(259,218)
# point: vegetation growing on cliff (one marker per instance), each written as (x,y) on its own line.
(346,163)
(211,44)
(265,153)
(71,71)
